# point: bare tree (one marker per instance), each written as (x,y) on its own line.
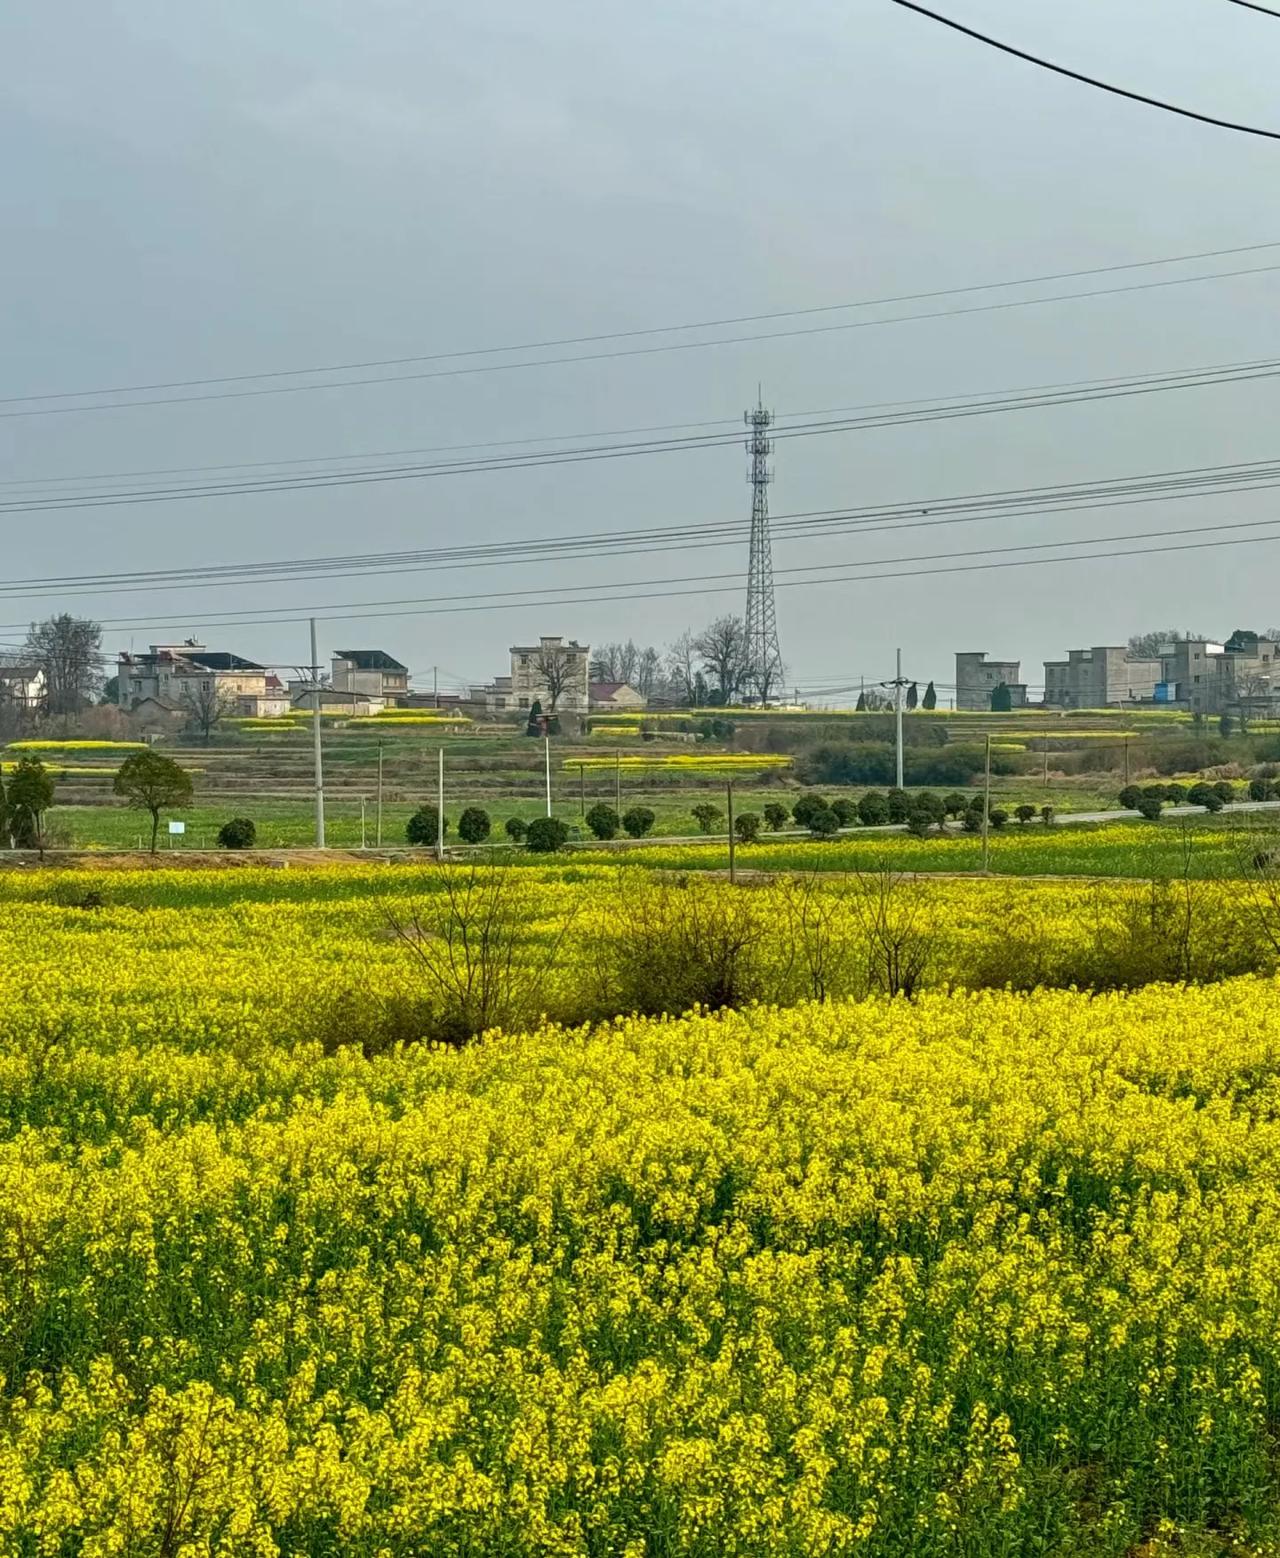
(682,667)
(604,663)
(1146,646)
(69,651)
(648,675)
(723,649)
(206,705)
(554,665)
(898,937)
(471,940)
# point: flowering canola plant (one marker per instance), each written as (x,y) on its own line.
(980,1274)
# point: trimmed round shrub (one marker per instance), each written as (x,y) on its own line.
(1024,813)
(638,821)
(955,804)
(239,833)
(603,821)
(747,826)
(899,803)
(545,835)
(806,807)
(1130,796)
(422,829)
(873,809)
(776,816)
(1226,790)
(474,825)
(1175,794)
(1204,795)
(846,811)
(824,824)
(998,816)
(704,814)
(1150,807)
(516,828)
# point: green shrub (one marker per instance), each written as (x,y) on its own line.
(423,828)
(873,809)
(955,804)
(604,821)
(516,828)
(1226,791)
(1024,813)
(899,803)
(1204,795)
(747,826)
(1150,807)
(776,816)
(638,821)
(998,816)
(706,815)
(474,825)
(806,806)
(824,824)
(1130,796)
(239,833)
(846,811)
(545,835)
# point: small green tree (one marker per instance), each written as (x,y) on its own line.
(1024,813)
(1001,699)
(534,725)
(1130,796)
(1226,791)
(1204,795)
(747,826)
(806,806)
(846,811)
(239,833)
(899,803)
(861,706)
(930,806)
(930,699)
(545,835)
(1261,789)
(1150,807)
(824,824)
(30,796)
(998,816)
(776,816)
(706,816)
(1226,725)
(603,821)
(873,809)
(153,783)
(954,804)
(638,821)
(913,696)
(1046,816)
(423,828)
(516,828)
(474,825)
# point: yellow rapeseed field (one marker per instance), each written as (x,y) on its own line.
(979,1274)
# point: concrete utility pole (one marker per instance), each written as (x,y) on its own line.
(319,760)
(379,795)
(733,867)
(897,707)
(617,782)
(440,809)
(546,745)
(986,809)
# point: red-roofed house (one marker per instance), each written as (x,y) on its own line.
(615,697)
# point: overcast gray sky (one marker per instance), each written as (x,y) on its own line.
(192,191)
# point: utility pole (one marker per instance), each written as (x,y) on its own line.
(379,795)
(986,810)
(362,832)
(582,789)
(733,867)
(319,760)
(1126,762)
(546,745)
(897,707)
(617,782)
(440,809)
(435,685)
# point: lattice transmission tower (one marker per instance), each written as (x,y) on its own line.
(763,656)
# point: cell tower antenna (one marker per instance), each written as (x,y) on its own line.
(763,656)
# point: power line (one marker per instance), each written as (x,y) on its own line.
(704,583)
(625,335)
(1252,5)
(1154,378)
(1103,390)
(646,351)
(1091,81)
(808,525)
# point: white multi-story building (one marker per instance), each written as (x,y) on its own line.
(175,675)
(553,673)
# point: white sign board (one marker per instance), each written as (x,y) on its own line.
(177,827)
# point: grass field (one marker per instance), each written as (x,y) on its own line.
(978,1274)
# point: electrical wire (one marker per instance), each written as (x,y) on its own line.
(707,589)
(1156,379)
(643,351)
(1105,390)
(1252,5)
(1091,81)
(624,335)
